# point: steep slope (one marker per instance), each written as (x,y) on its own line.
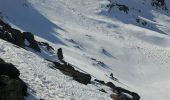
(44,82)
(134,46)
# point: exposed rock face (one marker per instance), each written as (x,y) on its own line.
(120,97)
(111,85)
(69,70)
(11,89)
(141,21)
(33,43)
(116,97)
(60,54)
(46,45)
(81,77)
(9,70)
(113,4)
(17,37)
(159,4)
(120,93)
(99,81)
(11,86)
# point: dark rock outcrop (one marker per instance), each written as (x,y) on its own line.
(81,77)
(102,90)
(32,42)
(9,70)
(11,89)
(159,4)
(11,86)
(120,97)
(113,4)
(46,45)
(60,54)
(111,85)
(99,81)
(123,8)
(141,21)
(121,93)
(17,37)
(69,70)
(134,95)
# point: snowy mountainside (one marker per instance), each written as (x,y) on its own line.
(100,42)
(44,82)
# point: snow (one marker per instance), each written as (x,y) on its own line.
(44,82)
(140,55)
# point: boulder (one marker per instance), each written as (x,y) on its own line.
(11,89)
(102,90)
(135,96)
(33,43)
(17,36)
(121,91)
(111,85)
(69,70)
(9,70)
(11,86)
(159,4)
(60,54)
(115,97)
(81,77)
(123,8)
(120,97)
(3,24)
(99,81)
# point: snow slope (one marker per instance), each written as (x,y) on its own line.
(44,82)
(139,56)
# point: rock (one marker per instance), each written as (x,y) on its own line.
(123,8)
(3,24)
(111,85)
(102,90)
(33,43)
(11,86)
(115,97)
(11,89)
(60,54)
(135,96)
(159,4)
(121,91)
(9,70)
(45,44)
(2,61)
(66,69)
(141,21)
(69,70)
(120,97)
(99,81)
(81,77)
(17,36)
